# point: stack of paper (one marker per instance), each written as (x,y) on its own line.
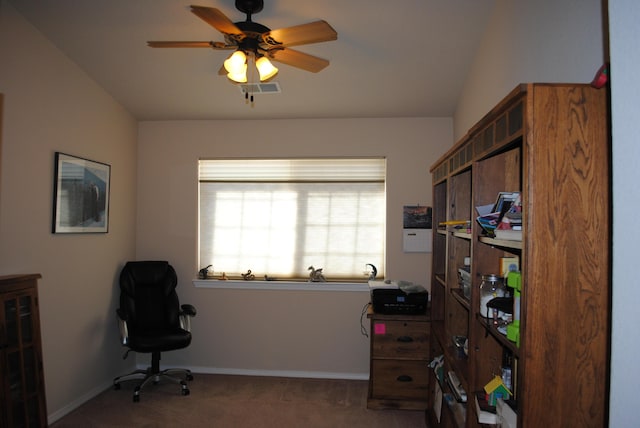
(486,413)
(503,218)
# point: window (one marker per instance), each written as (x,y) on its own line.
(278,217)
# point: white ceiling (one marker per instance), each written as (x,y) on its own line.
(402,58)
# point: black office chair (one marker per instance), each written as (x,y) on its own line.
(151,320)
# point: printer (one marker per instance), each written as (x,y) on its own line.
(398,297)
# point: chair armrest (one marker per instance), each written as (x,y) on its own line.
(122,326)
(189,310)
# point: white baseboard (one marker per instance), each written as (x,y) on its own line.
(281,373)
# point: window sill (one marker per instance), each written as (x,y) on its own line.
(281,285)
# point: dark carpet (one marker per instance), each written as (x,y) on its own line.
(241,401)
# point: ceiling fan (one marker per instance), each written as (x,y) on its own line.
(256,43)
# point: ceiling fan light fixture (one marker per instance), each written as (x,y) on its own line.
(265,68)
(236,63)
(254,43)
(240,76)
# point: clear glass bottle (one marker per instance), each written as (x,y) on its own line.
(490,287)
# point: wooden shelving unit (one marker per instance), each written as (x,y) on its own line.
(22,395)
(551,143)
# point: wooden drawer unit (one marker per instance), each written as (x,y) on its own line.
(398,377)
(400,339)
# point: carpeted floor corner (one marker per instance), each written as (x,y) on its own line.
(241,401)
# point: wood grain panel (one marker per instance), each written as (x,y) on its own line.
(567,292)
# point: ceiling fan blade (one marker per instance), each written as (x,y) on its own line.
(174,44)
(298,59)
(217,20)
(314,32)
(222,71)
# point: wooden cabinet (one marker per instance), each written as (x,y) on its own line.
(22,396)
(399,356)
(550,142)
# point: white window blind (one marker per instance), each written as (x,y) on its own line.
(277,217)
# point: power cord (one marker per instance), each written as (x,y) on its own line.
(363,329)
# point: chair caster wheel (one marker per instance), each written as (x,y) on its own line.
(136,398)
(185,390)
(189,377)
(116,386)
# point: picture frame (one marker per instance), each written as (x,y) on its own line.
(80,195)
(416,217)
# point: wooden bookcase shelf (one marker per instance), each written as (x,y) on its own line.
(492,330)
(463,235)
(22,393)
(459,296)
(515,245)
(550,142)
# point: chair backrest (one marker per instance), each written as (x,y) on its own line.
(148,296)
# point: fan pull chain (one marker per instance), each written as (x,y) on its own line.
(252,76)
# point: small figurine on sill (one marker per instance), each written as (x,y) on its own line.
(316,275)
(204,272)
(248,276)
(372,273)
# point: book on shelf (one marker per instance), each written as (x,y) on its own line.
(456,387)
(507,207)
(463,226)
(486,413)
(508,234)
(512,218)
(454,223)
(489,221)
(508,264)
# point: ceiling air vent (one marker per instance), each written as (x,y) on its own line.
(260,88)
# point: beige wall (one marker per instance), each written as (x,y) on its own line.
(531,41)
(277,331)
(51,105)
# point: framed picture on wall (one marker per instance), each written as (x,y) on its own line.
(416,217)
(80,195)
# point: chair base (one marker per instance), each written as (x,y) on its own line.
(154,374)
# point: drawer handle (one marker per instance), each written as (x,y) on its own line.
(404,378)
(405,339)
